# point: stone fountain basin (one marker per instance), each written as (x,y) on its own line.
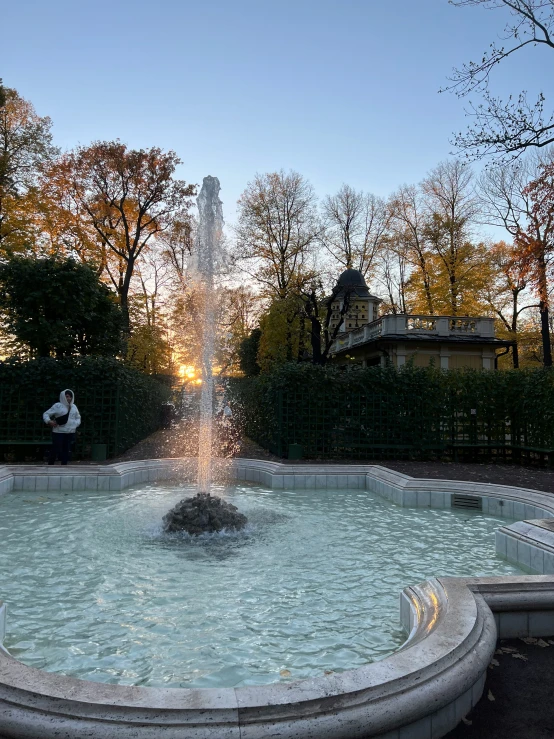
(422,690)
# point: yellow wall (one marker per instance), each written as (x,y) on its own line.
(421,359)
(458,361)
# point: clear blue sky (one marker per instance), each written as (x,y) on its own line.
(339,90)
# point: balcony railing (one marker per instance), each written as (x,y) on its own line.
(409,325)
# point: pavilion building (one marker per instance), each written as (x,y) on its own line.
(364,338)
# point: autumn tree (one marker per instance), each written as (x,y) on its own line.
(509,278)
(25,148)
(277,231)
(149,347)
(451,208)
(506,127)
(537,242)
(124,198)
(518,196)
(238,314)
(430,261)
(284,336)
(354,226)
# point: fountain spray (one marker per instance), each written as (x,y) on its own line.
(208,254)
(205,513)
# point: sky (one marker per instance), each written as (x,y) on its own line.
(342,91)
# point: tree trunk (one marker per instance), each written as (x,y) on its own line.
(126,323)
(125,285)
(315,339)
(515,356)
(453,295)
(301,343)
(545,334)
(427,286)
(515,352)
(543,308)
(288,341)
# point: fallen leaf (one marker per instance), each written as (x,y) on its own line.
(509,649)
(550,641)
(495,662)
(284,673)
(517,655)
(528,639)
(499,651)
(328,672)
(490,696)
(466,721)
(542,643)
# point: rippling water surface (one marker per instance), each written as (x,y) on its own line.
(96,590)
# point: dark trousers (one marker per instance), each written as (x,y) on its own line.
(61,447)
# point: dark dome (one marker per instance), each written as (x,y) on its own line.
(352,278)
(352,282)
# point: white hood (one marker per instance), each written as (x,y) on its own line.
(63,399)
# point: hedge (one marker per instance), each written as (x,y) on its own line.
(411,412)
(119,406)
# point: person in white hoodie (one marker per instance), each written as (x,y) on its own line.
(64,418)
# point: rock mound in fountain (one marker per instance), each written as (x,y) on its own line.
(203,514)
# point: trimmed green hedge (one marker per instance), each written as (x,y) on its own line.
(384,413)
(119,406)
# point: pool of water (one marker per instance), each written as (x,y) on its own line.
(96,590)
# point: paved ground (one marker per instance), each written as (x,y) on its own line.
(517,701)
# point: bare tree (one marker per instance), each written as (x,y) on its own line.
(238,315)
(409,223)
(393,270)
(354,226)
(177,244)
(277,229)
(506,127)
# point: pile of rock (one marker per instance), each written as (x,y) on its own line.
(202,514)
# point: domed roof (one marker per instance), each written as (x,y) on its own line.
(352,282)
(352,278)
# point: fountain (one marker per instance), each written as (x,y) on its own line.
(206,513)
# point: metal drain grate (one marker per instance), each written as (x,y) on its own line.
(467,502)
